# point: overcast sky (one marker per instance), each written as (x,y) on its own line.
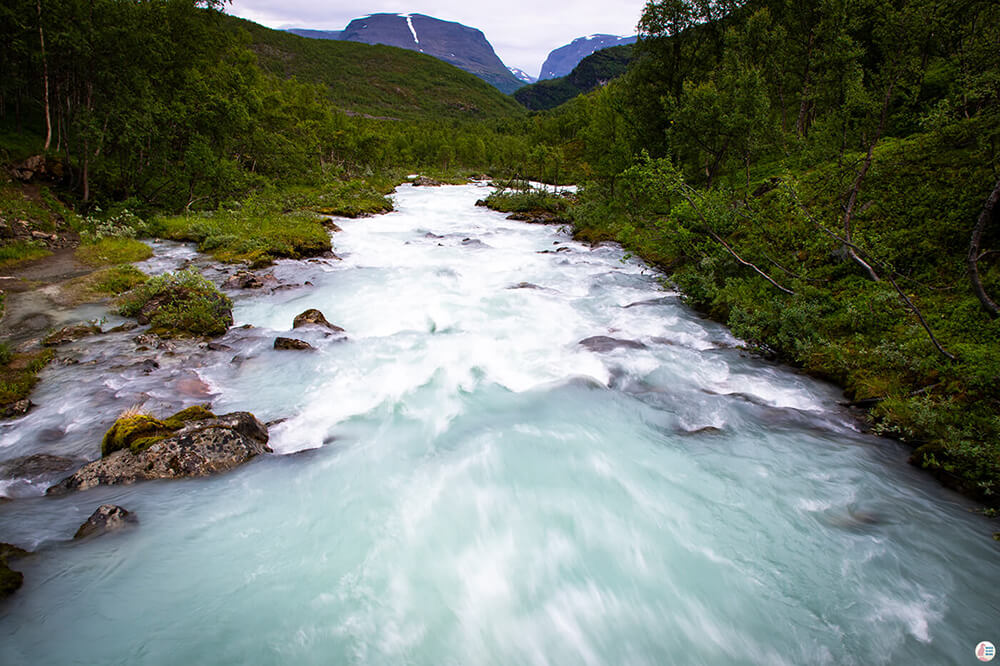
(522,32)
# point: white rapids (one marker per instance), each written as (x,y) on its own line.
(461,481)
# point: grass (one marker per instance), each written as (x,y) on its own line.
(256,238)
(101,284)
(113,251)
(179,304)
(19,372)
(19,252)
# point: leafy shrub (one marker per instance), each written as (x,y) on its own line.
(178,304)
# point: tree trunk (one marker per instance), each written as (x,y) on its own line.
(800,125)
(45,78)
(852,200)
(974,252)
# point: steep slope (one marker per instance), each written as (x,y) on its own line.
(454,43)
(377,80)
(564,59)
(593,71)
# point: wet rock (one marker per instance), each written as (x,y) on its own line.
(37,321)
(16,408)
(474,242)
(10,580)
(651,302)
(147,367)
(292,344)
(218,346)
(124,328)
(538,217)
(331,225)
(249,280)
(603,343)
(70,334)
(200,448)
(35,466)
(481,203)
(424,181)
(314,317)
(107,518)
(525,285)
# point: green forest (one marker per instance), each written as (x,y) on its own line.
(821,177)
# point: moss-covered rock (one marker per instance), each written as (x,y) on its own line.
(137,432)
(134,432)
(185,416)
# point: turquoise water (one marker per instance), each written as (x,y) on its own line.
(462,482)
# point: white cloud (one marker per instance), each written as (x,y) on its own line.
(522,32)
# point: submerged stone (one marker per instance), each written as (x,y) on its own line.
(10,580)
(292,344)
(603,343)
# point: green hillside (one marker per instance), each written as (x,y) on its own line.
(377,80)
(593,71)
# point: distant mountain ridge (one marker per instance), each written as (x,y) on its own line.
(459,45)
(564,59)
(522,75)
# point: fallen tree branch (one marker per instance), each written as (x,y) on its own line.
(888,273)
(708,230)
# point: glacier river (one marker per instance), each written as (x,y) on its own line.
(461,482)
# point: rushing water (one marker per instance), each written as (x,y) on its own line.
(465,483)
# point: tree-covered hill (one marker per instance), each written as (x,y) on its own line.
(377,80)
(594,71)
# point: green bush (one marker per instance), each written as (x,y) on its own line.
(179,304)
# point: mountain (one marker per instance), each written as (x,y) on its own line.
(522,75)
(454,43)
(562,61)
(316,34)
(593,71)
(375,80)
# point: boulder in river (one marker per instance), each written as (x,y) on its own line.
(424,181)
(107,518)
(249,280)
(313,317)
(37,467)
(199,447)
(292,344)
(70,334)
(16,408)
(603,343)
(10,580)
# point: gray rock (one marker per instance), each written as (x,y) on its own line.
(314,317)
(17,408)
(292,344)
(202,448)
(424,181)
(35,466)
(603,343)
(107,518)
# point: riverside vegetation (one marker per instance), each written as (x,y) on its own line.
(817,176)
